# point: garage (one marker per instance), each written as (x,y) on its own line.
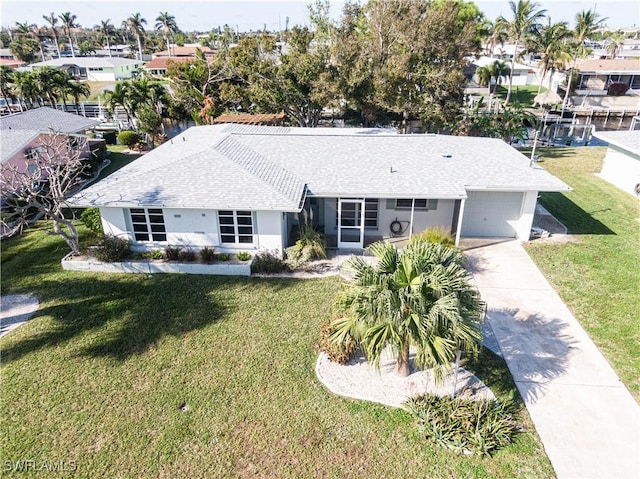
(492,214)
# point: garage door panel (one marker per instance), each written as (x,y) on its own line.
(491,214)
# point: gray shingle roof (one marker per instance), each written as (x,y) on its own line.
(254,167)
(628,141)
(86,62)
(19,129)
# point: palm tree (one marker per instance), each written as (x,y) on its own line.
(76,90)
(499,70)
(6,80)
(587,23)
(30,30)
(68,24)
(136,23)
(484,75)
(119,96)
(614,44)
(524,23)
(166,23)
(420,296)
(25,88)
(53,21)
(552,45)
(106,28)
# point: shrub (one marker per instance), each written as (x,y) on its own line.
(208,255)
(617,89)
(243,256)
(187,255)
(337,352)
(463,425)
(128,138)
(154,254)
(311,245)
(267,262)
(224,257)
(173,253)
(113,249)
(435,234)
(91,219)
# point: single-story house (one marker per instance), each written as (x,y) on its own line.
(21,134)
(94,68)
(159,65)
(185,51)
(621,165)
(242,187)
(595,76)
(522,74)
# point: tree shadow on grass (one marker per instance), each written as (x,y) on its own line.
(127,315)
(577,220)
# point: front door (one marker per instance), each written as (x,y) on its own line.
(350,223)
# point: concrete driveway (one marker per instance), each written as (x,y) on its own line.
(586,418)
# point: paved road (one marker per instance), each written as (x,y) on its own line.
(587,420)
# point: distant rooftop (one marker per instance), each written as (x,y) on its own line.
(88,62)
(628,141)
(608,65)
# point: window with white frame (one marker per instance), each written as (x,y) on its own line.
(148,224)
(420,204)
(236,227)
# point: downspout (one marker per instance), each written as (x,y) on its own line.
(460,215)
(413,204)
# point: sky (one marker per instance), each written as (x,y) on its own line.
(245,15)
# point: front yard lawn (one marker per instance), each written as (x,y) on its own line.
(202,376)
(597,273)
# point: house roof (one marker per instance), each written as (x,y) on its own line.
(628,141)
(185,51)
(608,66)
(11,63)
(88,62)
(261,167)
(19,129)
(250,118)
(161,62)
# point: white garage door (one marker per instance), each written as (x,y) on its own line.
(491,214)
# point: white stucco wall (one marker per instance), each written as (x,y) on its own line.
(621,170)
(114,222)
(191,227)
(269,227)
(523,227)
(107,74)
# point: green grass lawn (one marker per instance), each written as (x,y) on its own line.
(597,275)
(520,94)
(102,373)
(118,159)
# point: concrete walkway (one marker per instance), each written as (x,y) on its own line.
(15,309)
(587,420)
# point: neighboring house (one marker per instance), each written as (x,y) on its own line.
(266,119)
(21,134)
(11,63)
(158,66)
(238,187)
(596,75)
(522,74)
(621,165)
(94,68)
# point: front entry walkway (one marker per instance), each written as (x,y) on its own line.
(586,418)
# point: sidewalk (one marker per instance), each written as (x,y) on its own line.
(587,420)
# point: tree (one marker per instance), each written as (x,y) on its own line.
(614,44)
(53,171)
(135,23)
(6,80)
(77,90)
(149,121)
(53,21)
(68,24)
(86,47)
(499,69)
(525,23)
(484,75)
(420,296)
(25,88)
(552,45)
(25,48)
(166,23)
(26,30)
(587,23)
(107,30)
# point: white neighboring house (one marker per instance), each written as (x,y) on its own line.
(94,68)
(522,74)
(240,187)
(621,165)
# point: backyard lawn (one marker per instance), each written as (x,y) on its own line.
(118,159)
(202,376)
(596,273)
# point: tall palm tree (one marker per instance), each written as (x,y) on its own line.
(484,75)
(136,24)
(587,23)
(53,21)
(166,23)
(552,46)
(25,88)
(77,90)
(614,44)
(526,16)
(30,30)
(107,29)
(68,24)
(498,70)
(420,296)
